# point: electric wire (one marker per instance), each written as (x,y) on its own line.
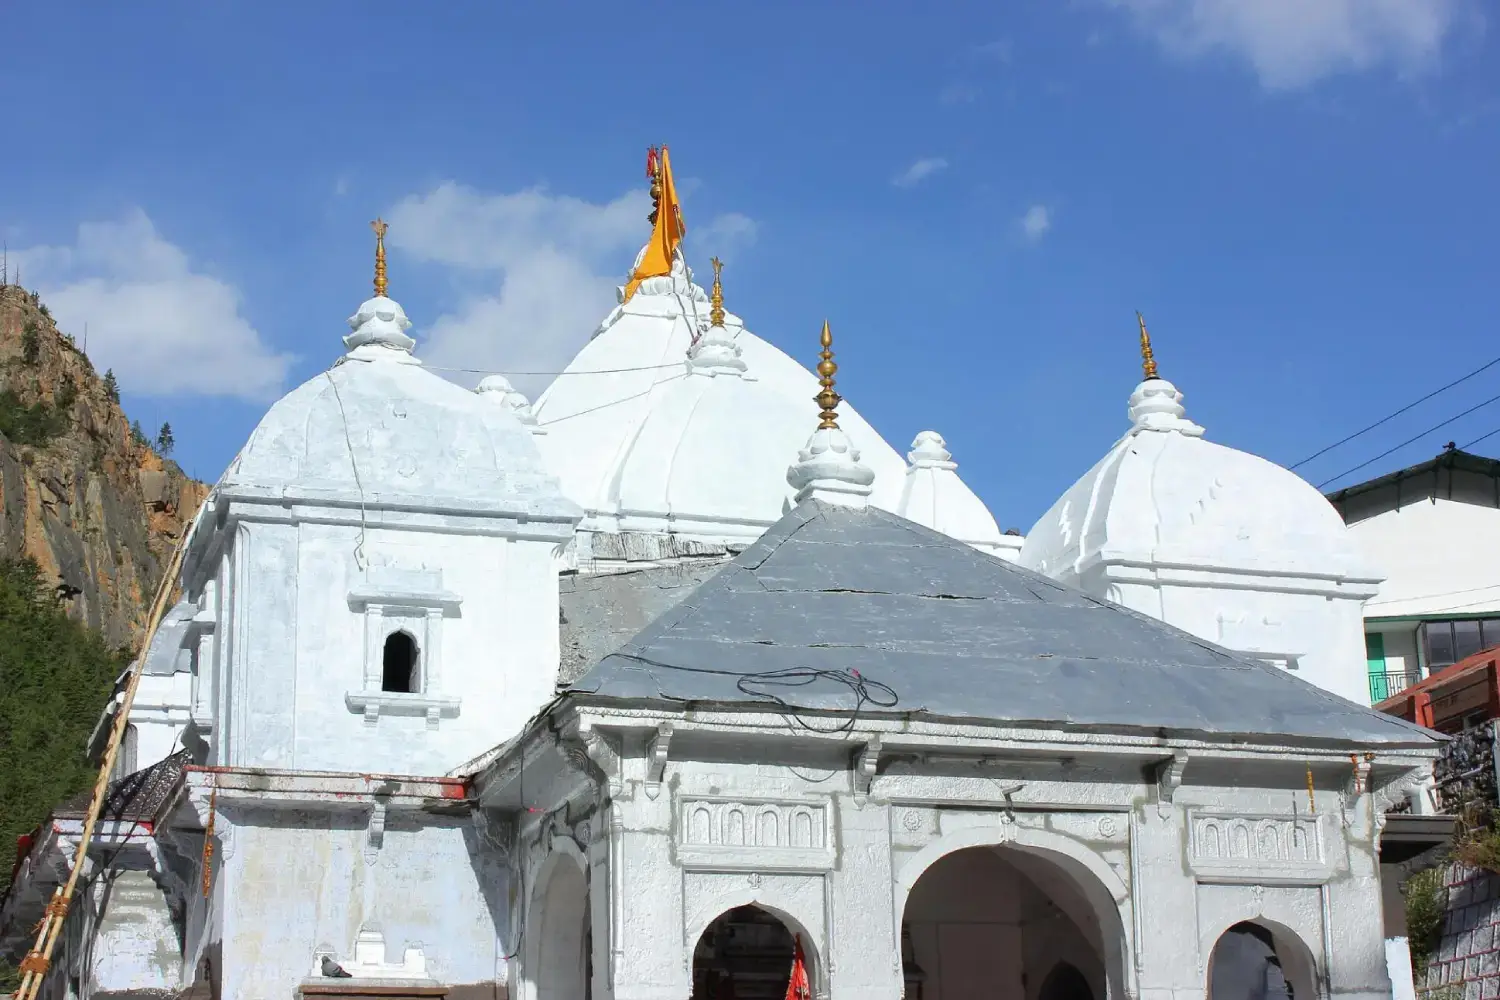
(1469,444)
(592,371)
(1411,440)
(1397,413)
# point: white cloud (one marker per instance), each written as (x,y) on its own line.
(540,271)
(920,171)
(164,328)
(999,50)
(958,93)
(1036,222)
(726,234)
(1291,43)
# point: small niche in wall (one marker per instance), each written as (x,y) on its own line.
(401,664)
(403,670)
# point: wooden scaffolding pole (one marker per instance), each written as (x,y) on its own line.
(39,959)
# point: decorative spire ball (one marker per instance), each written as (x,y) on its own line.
(380,285)
(653,174)
(716,298)
(827,398)
(1148,361)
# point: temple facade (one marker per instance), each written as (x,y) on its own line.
(683,683)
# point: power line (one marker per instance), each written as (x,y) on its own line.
(1392,416)
(1412,439)
(1469,444)
(595,371)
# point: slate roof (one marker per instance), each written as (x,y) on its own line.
(935,628)
(134,798)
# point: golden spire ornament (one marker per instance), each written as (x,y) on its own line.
(380,228)
(827,398)
(716,297)
(1148,360)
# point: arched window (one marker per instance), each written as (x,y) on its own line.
(400,666)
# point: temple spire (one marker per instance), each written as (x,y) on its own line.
(380,229)
(716,298)
(1148,360)
(827,398)
(829,468)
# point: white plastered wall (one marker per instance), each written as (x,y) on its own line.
(298,655)
(295,883)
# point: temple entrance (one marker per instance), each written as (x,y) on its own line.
(987,922)
(558,938)
(1255,962)
(746,954)
(1065,982)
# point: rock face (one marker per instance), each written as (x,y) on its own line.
(95,505)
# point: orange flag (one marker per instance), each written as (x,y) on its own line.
(667,232)
(798,988)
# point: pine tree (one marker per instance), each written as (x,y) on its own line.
(31,344)
(58,675)
(111,387)
(164,439)
(137,435)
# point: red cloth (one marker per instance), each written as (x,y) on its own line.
(798,988)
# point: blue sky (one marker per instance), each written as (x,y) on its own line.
(1299,195)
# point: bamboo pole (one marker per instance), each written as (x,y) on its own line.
(37,961)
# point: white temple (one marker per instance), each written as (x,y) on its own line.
(683,678)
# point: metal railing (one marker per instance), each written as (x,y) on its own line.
(1383,685)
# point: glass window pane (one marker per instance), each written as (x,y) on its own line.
(1491,632)
(1466,639)
(1439,643)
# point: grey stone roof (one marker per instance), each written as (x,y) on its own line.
(135,797)
(835,609)
(601,613)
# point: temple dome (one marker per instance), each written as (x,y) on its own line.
(379,428)
(658,425)
(934,496)
(1166,496)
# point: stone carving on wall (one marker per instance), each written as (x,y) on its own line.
(1257,849)
(745,834)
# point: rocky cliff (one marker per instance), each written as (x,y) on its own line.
(97,507)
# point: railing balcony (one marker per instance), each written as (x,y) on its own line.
(1383,685)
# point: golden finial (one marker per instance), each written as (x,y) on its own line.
(716,299)
(1148,361)
(380,227)
(827,398)
(653,174)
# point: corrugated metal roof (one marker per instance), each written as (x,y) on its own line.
(837,609)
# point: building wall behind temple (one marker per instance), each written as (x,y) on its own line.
(301,646)
(294,883)
(1437,553)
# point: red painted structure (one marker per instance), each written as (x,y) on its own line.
(1453,699)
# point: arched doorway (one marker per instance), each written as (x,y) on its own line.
(1001,921)
(745,954)
(1065,982)
(558,932)
(1255,961)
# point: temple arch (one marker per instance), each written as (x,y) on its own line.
(1000,910)
(1260,959)
(747,952)
(557,933)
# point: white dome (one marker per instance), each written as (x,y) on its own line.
(934,496)
(648,433)
(1165,496)
(378,428)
